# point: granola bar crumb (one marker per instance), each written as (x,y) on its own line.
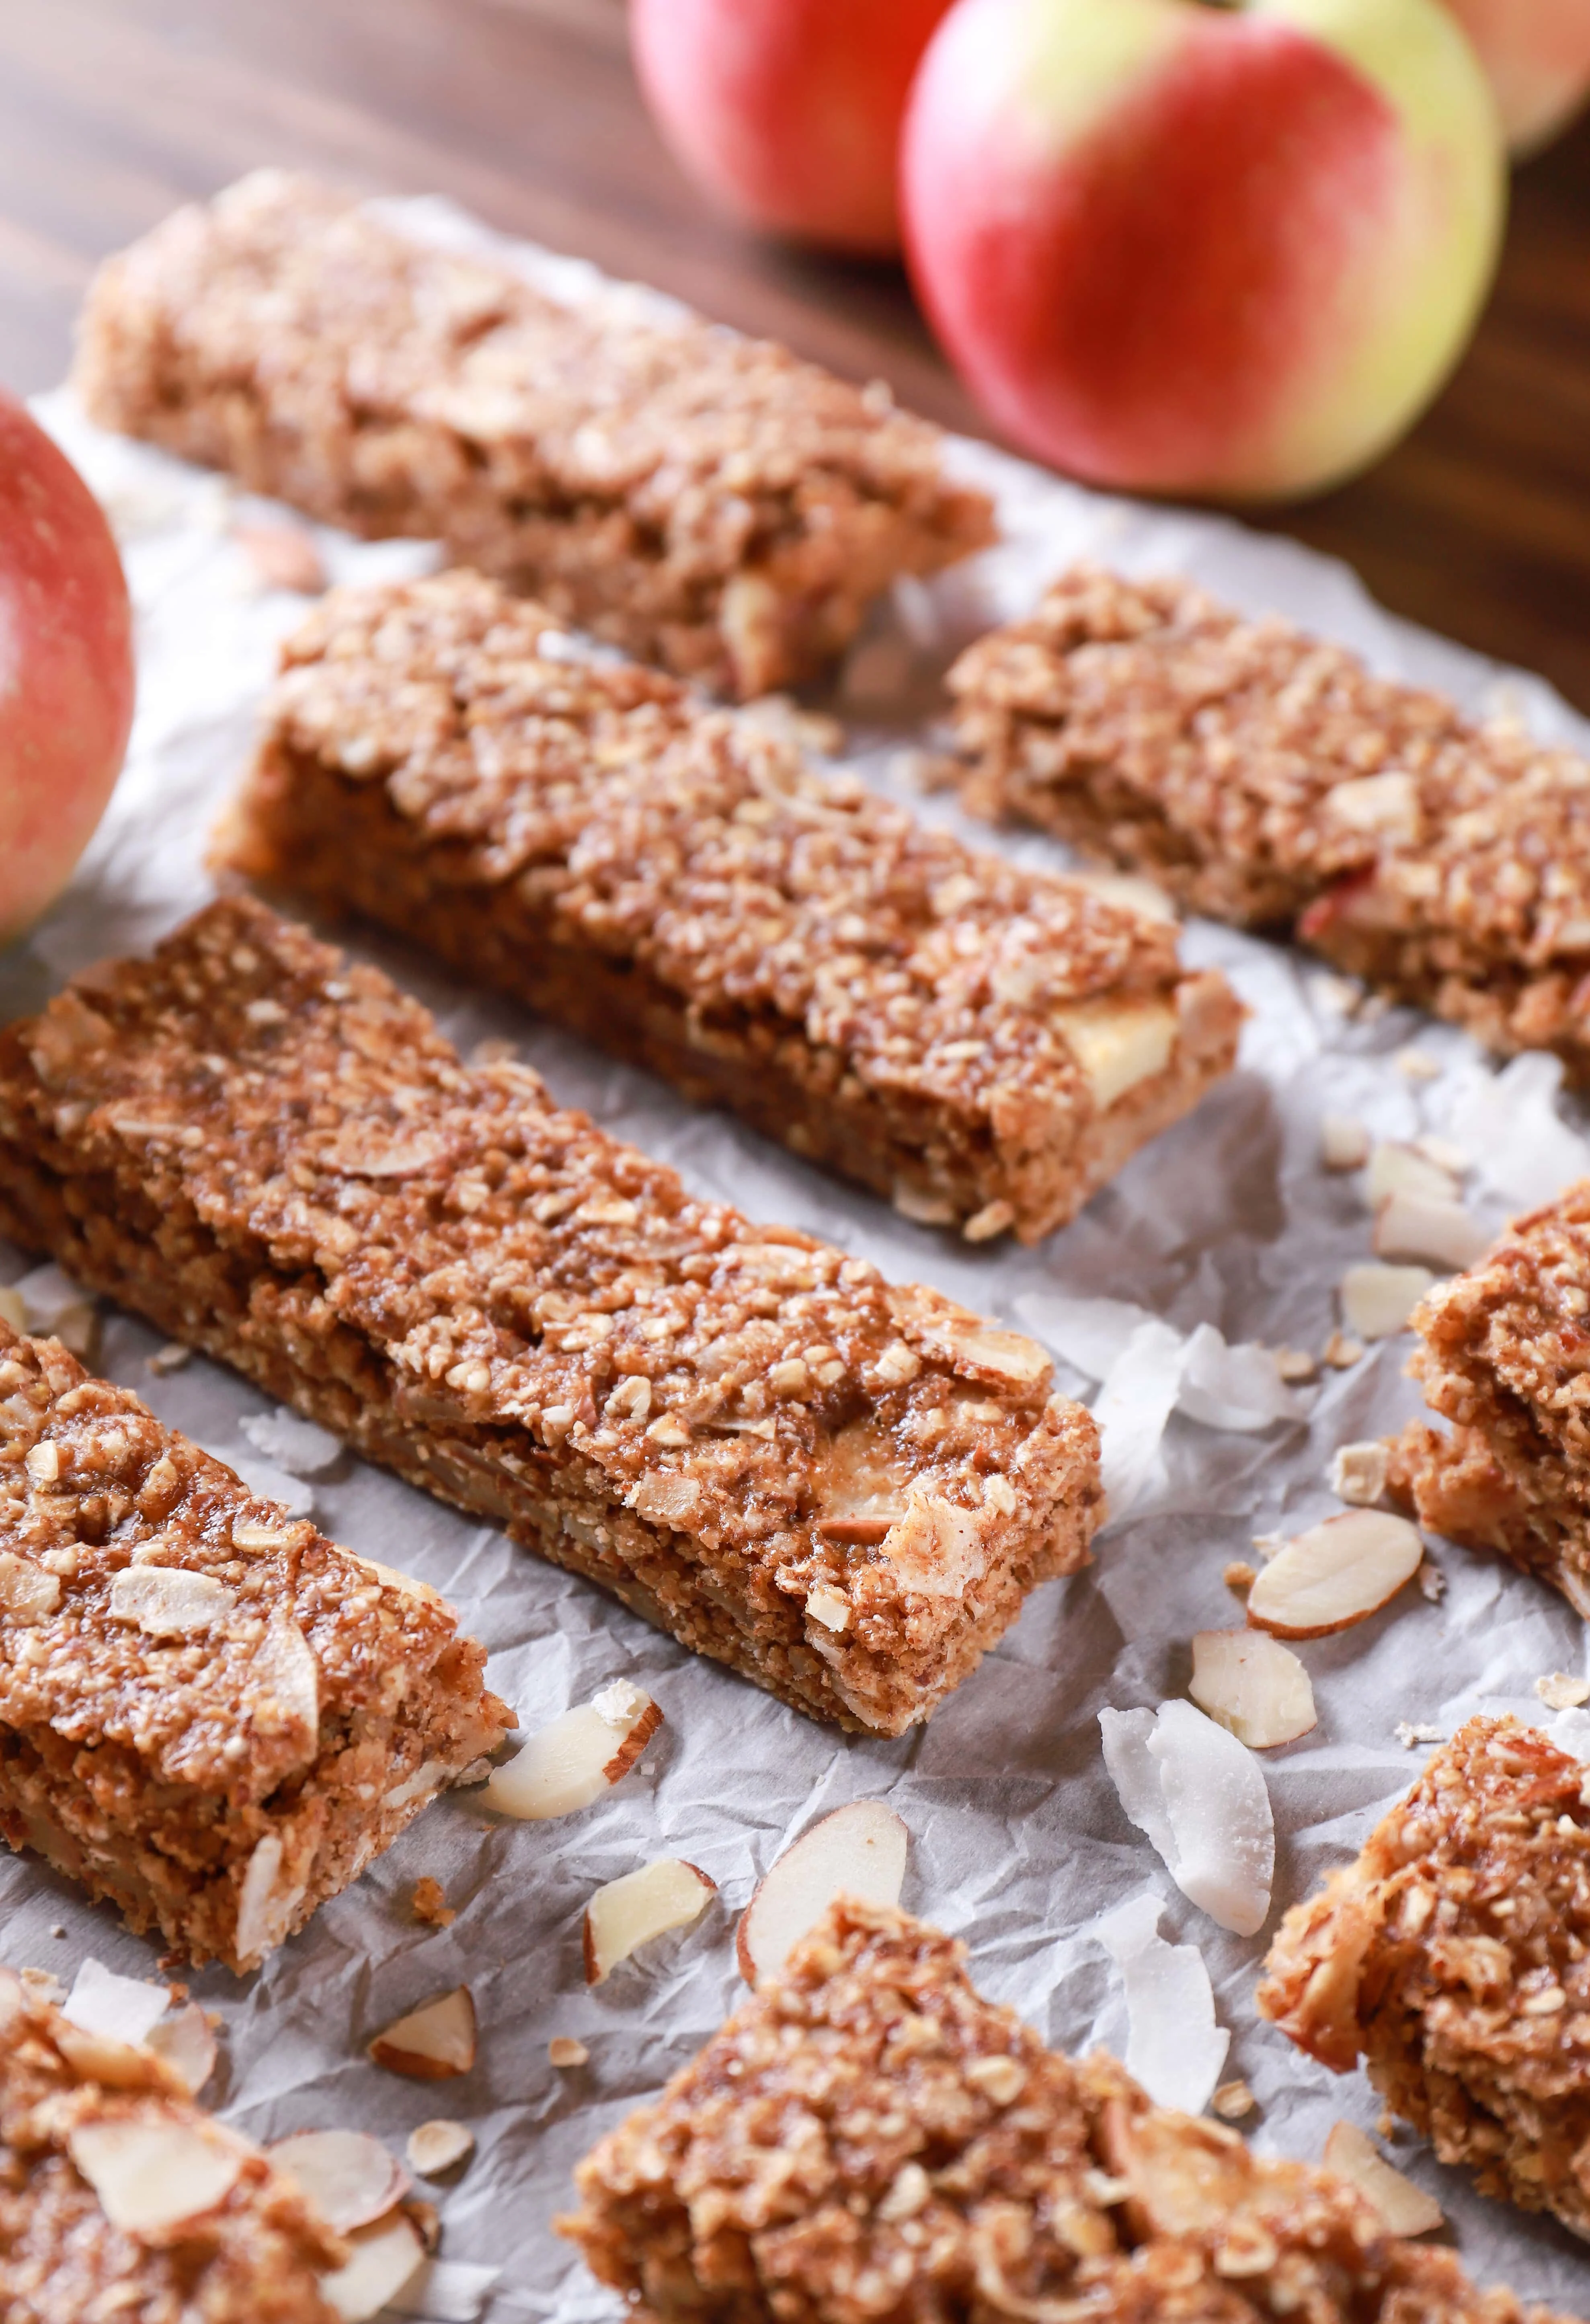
(429,1903)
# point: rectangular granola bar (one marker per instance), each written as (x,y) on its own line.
(208,1713)
(868,2136)
(843,1488)
(702,499)
(120,2198)
(1503,1355)
(1453,1957)
(982,1044)
(1268,778)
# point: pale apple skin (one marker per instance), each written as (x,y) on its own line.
(1537,55)
(66,668)
(787,112)
(1222,253)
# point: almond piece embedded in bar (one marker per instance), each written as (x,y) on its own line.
(474,1287)
(984,1045)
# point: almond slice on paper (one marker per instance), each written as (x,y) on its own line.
(349,2177)
(572,1762)
(1378,1301)
(1253,1686)
(186,2042)
(151,2175)
(382,2259)
(1398,1170)
(667,1894)
(435,2147)
(1344,1142)
(857,1850)
(1335,1575)
(1427,1227)
(1404,2208)
(433,2041)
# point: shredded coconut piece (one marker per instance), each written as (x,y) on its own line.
(1173,2045)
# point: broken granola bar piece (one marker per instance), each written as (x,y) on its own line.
(1453,1957)
(983,1045)
(868,2136)
(210,1713)
(120,2197)
(702,499)
(842,1487)
(1504,1356)
(1269,779)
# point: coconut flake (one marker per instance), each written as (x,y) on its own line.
(1091,1336)
(1398,1170)
(381,2265)
(1173,2046)
(1428,1227)
(126,2008)
(446,2291)
(1507,1122)
(1236,1388)
(1201,1798)
(149,2176)
(186,2042)
(1404,2208)
(1138,1397)
(1378,1301)
(297,1445)
(57,1308)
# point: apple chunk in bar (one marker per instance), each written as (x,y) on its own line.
(704,500)
(1269,779)
(982,1044)
(844,1489)
(120,2197)
(1502,1355)
(210,1713)
(1453,1957)
(869,2137)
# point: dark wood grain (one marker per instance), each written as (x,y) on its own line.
(111,111)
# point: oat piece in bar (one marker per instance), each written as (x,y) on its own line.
(869,2137)
(842,1487)
(210,1713)
(702,499)
(1269,779)
(120,2197)
(1503,1357)
(982,1044)
(1453,1957)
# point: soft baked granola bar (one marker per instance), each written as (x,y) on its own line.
(1268,778)
(982,1044)
(120,2198)
(1503,1357)
(843,1488)
(1453,1957)
(208,1713)
(702,499)
(868,2138)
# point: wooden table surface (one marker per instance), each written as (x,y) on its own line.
(113,111)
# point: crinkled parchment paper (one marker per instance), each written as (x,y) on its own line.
(1019,1843)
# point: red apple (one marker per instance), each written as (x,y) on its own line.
(1537,53)
(66,667)
(787,111)
(1186,249)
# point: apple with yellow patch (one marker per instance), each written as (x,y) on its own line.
(1176,248)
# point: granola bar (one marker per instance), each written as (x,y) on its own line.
(704,500)
(868,2137)
(1454,1956)
(982,1044)
(120,2198)
(208,1713)
(1502,1358)
(1268,778)
(843,1488)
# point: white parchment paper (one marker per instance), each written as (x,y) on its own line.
(1019,1844)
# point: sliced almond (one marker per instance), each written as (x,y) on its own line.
(166,1601)
(433,2041)
(858,1851)
(667,1893)
(1561,1692)
(1344,1142)
(186,2042)
(150,2175)
(1404,2208)
(382,2259)
(101,2058)
(1253,1686)
(567,1764)
(435,2147)
(1398,1170)
(1335,1575)
(1117,1043)
(28,1593)
(349,2177)
(562,2050)
(1426,1227)
(1378,1301)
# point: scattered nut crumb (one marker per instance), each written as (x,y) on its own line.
(437,2145)
(1373,1007)
(1340,1352)
(1267,1544)
(1239,1575)
(57,1929)
(564,2050)
(1431,1580)
(1296,1364)
(1233,2099)
(430,1903)
(1358,1473)
(1344,1142)
(1336,994)
(283,556)
(926,771)
(1561,1692)
(170,1359)
(1409,1736)
(992,1220)
(426,2218)
(1417,1065)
